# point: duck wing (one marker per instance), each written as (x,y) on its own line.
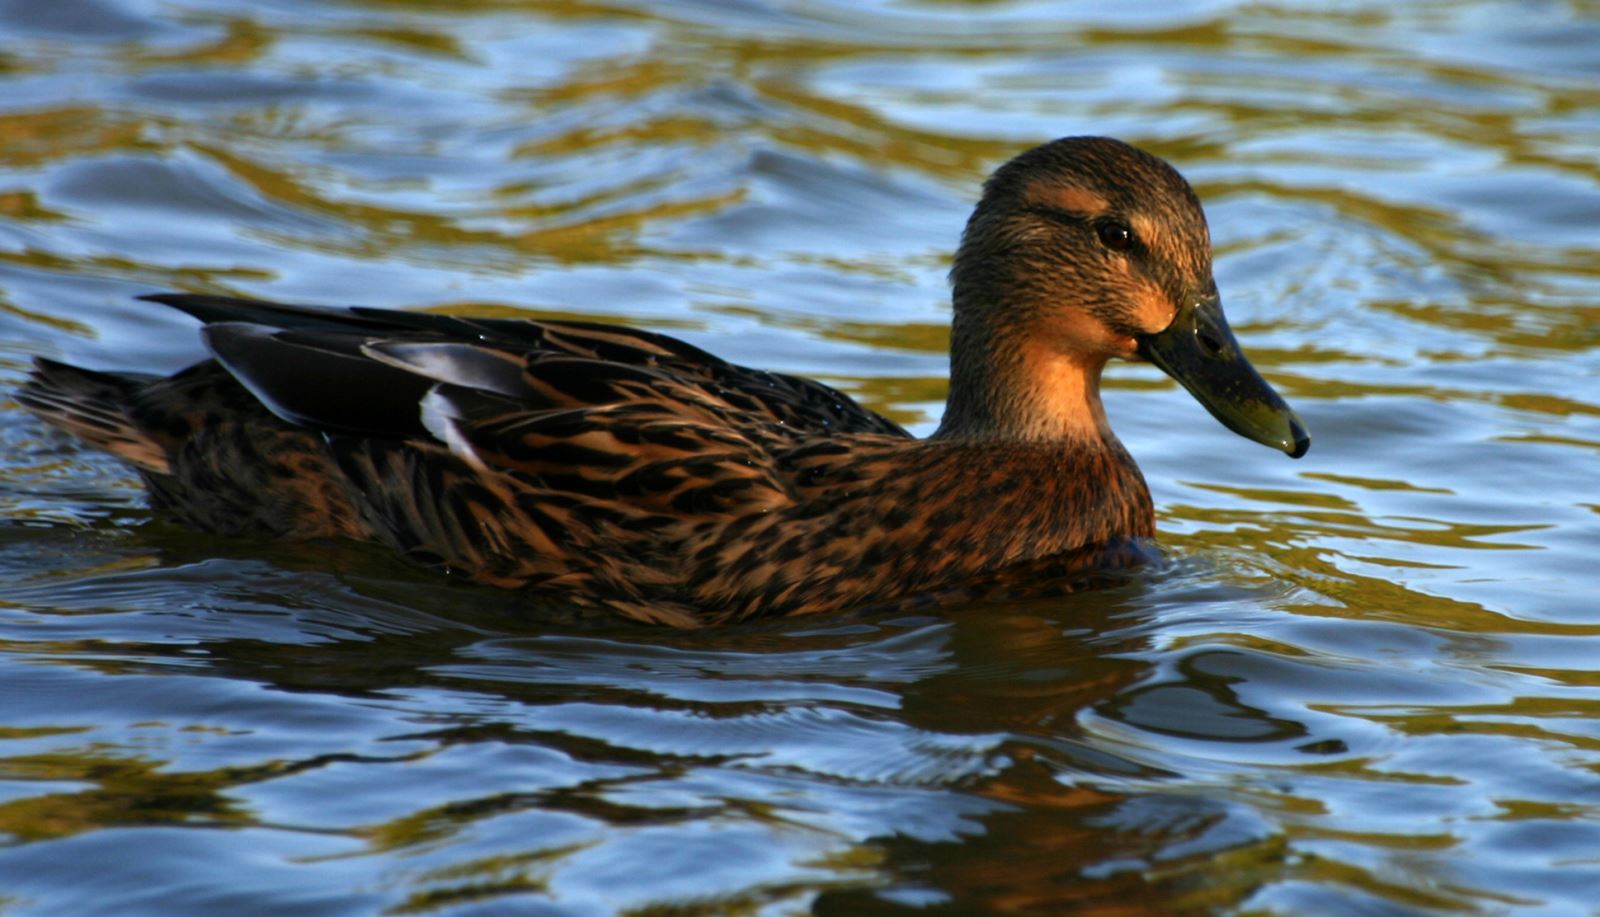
(294,356)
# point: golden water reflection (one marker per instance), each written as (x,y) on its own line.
(1362,680)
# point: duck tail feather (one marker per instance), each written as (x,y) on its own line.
(92,406)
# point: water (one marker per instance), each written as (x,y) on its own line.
(1365,682)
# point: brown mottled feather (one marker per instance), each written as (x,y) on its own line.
(625,470)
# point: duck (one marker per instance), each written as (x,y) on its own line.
(629,472)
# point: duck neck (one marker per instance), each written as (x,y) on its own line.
(1009,385)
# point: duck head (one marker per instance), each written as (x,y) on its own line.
(1080,251)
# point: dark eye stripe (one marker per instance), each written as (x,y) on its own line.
(1112,233)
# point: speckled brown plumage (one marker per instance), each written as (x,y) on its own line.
(625,470)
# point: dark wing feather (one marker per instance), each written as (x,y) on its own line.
(319,379)
(210,309)
(213,309)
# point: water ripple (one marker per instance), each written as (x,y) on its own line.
(1358,682)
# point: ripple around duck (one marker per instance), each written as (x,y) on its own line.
(720,673)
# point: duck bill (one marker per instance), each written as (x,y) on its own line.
(1198,349)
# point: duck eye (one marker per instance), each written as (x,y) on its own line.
(1115,236)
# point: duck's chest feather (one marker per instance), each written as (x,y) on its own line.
(884,524)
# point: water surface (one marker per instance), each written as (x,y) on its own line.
(1358,683)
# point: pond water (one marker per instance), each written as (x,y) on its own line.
(1364,682)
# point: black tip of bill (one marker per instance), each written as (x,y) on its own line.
(1302,439)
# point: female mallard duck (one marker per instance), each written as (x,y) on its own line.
(630,471)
